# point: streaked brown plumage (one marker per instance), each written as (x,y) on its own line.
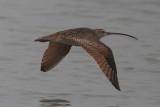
(89,39)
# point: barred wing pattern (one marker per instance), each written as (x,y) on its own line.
(53,55)
(103,56)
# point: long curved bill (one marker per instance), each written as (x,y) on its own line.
(111,33)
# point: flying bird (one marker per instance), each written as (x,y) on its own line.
(61,42)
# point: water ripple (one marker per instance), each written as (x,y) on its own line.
(54,102)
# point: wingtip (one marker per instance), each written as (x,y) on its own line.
(117,86)
(118,89)
(43,70)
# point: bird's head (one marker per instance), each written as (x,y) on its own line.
(100,32)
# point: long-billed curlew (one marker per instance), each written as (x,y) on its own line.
(89,39)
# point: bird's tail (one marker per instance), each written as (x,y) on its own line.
(41,40)
(44,38)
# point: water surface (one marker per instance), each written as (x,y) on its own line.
(77,81)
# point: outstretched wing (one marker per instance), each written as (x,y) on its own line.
(53,55)
(103,56)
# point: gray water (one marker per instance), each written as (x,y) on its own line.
(77,81)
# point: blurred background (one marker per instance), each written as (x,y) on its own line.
(78,81)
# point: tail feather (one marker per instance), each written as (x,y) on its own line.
(41,40)
(45,38)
